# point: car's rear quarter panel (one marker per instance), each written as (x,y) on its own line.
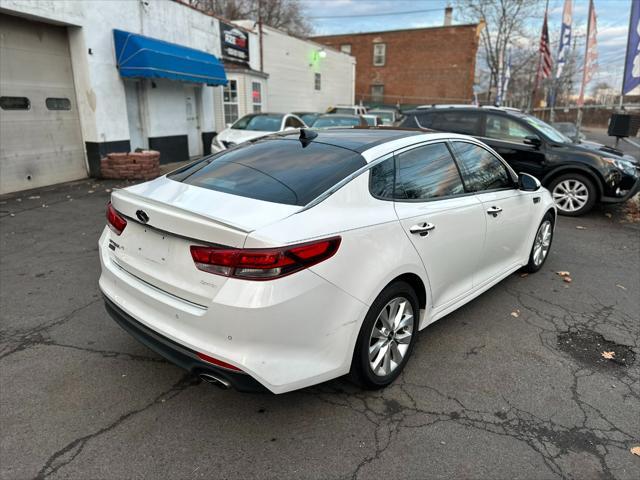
(374,248)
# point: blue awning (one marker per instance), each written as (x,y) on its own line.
(144,57)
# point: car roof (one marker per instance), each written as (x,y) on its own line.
(262,114)
(357,139)
(338,115)
(466,108)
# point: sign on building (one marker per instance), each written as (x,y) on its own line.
(234,42)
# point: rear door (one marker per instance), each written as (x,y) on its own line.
(445,225)
(506,209)
(507,136)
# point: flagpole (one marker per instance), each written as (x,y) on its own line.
(584,75)
(532,100)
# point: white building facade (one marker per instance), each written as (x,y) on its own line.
(304,76)
(64,103)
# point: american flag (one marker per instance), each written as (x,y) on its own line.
(546,62)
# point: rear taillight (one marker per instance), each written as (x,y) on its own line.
(263,264)
(115,221)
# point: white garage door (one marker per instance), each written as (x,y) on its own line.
(40,139)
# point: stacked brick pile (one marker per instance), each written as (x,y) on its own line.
(143,165)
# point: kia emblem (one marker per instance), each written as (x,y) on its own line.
(142,216)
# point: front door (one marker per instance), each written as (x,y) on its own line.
(507,136)
(506,210)
(445,225)
(193,121)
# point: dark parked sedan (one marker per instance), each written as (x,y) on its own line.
(578,174)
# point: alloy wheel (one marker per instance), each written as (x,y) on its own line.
(570,195)
(391,336)
(542,243)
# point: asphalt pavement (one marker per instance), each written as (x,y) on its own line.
(512,386)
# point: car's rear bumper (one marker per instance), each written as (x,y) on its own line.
(179,354)
(285,334)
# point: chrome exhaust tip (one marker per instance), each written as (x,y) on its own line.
(217,381)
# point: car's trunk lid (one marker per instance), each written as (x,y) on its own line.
(179,215)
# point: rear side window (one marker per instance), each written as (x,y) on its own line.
(381,179)
(293,122)
(274,170)
(481,170)
(425,173)
(417,120)
(458,122)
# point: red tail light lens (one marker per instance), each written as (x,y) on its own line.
(115,221)
(215,361)
(263,264)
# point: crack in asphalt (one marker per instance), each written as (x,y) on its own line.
(35,336)
(70,452)
(39,336)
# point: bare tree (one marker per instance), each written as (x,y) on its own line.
(284,15)
(505,27)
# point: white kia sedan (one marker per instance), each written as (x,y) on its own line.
(255,125)
(307,255)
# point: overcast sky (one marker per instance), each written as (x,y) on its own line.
(612,21)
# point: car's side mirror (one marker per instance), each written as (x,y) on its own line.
(532,140)
(289,128)
(528,183)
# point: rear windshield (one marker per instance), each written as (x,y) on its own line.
(336,121)
(274,170)
(339,110)
(263,123)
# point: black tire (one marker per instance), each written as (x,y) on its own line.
(535,265)
(592,194)
(361,370)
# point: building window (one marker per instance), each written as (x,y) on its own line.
(345,48)
(256,96)
(318,81)
(230,101)
(377,93)
(15,103)
(379,54)
(58,103)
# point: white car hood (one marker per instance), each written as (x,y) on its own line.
(239,136)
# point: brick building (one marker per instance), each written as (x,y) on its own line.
(413,66)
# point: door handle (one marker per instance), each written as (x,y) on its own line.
(494,211)
(422,229)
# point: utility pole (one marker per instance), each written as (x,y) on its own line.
(260,35)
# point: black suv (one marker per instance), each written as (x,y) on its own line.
(577,174)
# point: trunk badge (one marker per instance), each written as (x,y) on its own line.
(142,216)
